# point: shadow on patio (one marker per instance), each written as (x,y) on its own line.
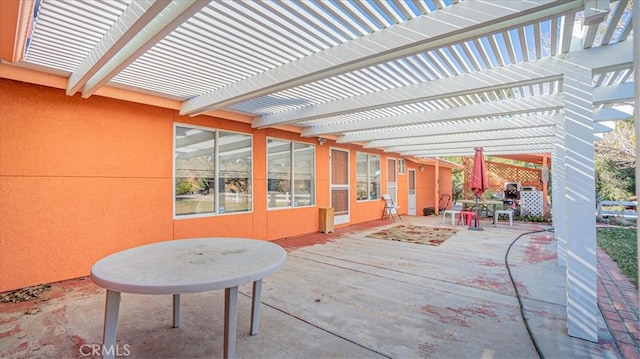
(341,295)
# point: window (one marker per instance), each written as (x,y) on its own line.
(367,176)
(290,163)
(401,166)
(212,171)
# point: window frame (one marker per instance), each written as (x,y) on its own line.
(216,172)
(292,174)
(401,166)
(369,179)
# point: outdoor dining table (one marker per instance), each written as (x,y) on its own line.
(471,204)
(187,266)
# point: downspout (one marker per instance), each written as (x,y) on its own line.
(436,193)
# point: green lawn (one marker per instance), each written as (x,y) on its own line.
(620,243)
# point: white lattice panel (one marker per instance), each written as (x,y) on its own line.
(531,203)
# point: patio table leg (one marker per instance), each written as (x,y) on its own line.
(230,321)
(495,218)
(111,311)
(176,310)
(255,306)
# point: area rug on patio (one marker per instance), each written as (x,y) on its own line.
(434,236)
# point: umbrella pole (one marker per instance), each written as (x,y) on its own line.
(476,226)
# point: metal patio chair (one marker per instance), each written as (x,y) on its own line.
(389,208)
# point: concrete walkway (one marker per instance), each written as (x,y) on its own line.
(344,295)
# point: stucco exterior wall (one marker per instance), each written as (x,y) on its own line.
(83,178)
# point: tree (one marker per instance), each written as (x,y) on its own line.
(615,162)
(619,145)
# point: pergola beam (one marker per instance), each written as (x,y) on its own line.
(15,19)
(609,114)
(140,27)
(454,24)
(487,109)
(516,75)
(462,143)
(453,127)
(513,150)
(413,142)
(134,19)
(613,93)
(409,150)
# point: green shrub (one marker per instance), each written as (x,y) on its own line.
(183,187)
(525,216)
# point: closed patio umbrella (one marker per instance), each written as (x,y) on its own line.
(479,182)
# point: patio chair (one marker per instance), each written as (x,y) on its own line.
(466,217)
(389,208)
(505,212)
(453,212)
(443,203)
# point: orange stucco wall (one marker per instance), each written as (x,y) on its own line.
(78,179)
(83,178)
(430,185)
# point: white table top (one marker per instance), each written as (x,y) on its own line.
(188,265)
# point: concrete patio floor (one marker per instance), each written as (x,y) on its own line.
(341,295)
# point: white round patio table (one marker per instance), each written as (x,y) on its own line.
(188,266)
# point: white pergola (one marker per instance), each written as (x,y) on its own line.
(424,79)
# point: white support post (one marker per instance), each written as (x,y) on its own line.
(636,116)
(582,293)
(558,195)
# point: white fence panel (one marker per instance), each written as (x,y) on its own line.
(531,203)
(626,209)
